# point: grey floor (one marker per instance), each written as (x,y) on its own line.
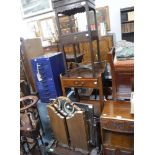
(42,108)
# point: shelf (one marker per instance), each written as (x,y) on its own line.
(66,20)
(127,23)
(127,9)
(85,71)
(68,28)
(131,21)
(127,32)
(71,7)
(78,37)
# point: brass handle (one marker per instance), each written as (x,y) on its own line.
(79,83)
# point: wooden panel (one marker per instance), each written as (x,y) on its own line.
(109,151)
(58,124)
(116,151)
(77,130)
(119,140)
(84,83)
(126,152)
(30,48)
(105,44)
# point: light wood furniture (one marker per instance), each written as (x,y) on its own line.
(78,138)
(58,124)
(66,119)
(83,78)
(122,76)
(117,128)
(30,48)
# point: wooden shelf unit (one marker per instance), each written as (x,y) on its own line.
(127,23)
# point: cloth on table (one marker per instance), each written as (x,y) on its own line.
(124,50)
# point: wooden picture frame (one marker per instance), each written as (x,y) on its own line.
(33,29)
(31,8)
(102,14)
(48,29)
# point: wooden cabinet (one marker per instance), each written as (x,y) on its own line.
(117,128)
(127,23)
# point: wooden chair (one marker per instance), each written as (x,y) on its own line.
(122,76)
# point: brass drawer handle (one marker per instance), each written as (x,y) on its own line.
(79,83)
(95,83)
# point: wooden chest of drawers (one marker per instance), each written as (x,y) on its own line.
(117,128)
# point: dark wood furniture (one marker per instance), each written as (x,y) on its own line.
(127,23)
(68,8)
(83,78)
(117,128)
(30,124)
(122,76)
(105,44)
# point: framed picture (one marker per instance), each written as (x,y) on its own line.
(48,29)
(34,7)
(102,14)
(33,29)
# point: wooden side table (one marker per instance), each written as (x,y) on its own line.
(83,78)
(117,128)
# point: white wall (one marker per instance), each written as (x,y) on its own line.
(114,13)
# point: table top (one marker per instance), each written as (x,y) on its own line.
(116,117)
(85,71)
(117,110)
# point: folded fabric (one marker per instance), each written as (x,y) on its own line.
(124,52)
(124,49)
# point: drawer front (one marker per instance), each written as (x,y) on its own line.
(112,150)
(117,125)
(80,83)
